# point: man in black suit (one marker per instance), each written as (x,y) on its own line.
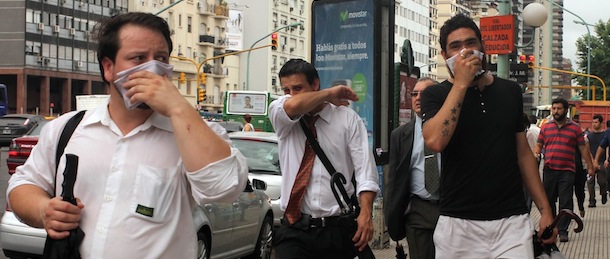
(411,210)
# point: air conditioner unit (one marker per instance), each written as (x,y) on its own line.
(291,49)
(39,59)
(40,26)
(78,64)
(72,31)
(55,28)
(291,8)
(46,61)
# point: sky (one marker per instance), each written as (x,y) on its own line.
(589,10)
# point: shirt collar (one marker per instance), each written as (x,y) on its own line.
(326,113)
(101,115)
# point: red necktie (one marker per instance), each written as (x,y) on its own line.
(293,210)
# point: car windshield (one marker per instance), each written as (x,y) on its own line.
(262,156)
(36,130)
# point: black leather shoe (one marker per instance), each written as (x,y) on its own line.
(592,205)
(604,198)
(563,238)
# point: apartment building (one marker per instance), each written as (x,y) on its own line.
(48,53)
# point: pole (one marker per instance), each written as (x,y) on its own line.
(588,51)
(503,65)
(252,46)
(578,74)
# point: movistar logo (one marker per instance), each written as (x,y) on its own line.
(343,16)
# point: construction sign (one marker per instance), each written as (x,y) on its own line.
(498,34)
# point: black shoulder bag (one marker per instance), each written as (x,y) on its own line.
(351,210)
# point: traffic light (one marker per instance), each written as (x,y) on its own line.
(182,78)
(200,94)
(274,41)
(522,58)
(531,60)
(203,78)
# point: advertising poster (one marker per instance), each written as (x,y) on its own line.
(235,30)
(343,50)
(253,103)
(405,111)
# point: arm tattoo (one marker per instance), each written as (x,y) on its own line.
(445,132)
(446,123)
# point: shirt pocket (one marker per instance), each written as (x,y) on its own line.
(153,193)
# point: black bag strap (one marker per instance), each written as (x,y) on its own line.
(313,142)
(66,134)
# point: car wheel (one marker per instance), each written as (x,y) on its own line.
(264,242)
(203,245)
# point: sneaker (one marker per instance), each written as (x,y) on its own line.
(604,198)
(582,213)
(563,238)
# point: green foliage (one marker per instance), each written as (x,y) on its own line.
(600,57)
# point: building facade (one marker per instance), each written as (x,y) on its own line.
(50,56)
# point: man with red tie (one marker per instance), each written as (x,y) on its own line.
(312,226)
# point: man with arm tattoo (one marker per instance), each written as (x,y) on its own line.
(475,120)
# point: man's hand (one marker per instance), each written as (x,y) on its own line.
(591,171)
(156,91)
(466,67)
(340,94)
(59,217)
(365,231)
(546,221)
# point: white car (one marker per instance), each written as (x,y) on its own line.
(261,150)
(242,229)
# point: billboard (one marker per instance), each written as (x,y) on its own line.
(240,102)
(343,50)
(235,31)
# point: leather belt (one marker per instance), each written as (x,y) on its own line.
(433,202)
(311,222)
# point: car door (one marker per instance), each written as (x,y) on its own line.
(247,217)
(221,224)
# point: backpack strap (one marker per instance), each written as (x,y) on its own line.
(63,141)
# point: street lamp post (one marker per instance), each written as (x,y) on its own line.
(589,42)
(252,46)
(588,52)
(534,15)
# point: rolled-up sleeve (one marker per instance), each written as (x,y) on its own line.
(222,180)
(364,163)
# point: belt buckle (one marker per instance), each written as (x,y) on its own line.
(323,222)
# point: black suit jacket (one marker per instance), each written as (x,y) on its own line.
(398,190)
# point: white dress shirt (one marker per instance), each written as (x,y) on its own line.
(118,173)
(343,137)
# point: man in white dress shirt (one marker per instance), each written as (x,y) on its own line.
(319,231)
(160,156)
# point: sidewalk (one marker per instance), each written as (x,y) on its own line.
(592,242)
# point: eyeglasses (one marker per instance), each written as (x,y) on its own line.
(415,93)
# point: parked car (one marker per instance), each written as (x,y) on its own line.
(261,150)
(16,125)
(20,147)
(231,126)
(242,229)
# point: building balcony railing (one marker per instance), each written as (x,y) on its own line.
(206,39)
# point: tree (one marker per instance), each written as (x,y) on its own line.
(600,57)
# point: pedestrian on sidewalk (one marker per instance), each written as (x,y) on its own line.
(560,137)
(580,175)
(412,197)
(598,141)
(312,226)
(476,120)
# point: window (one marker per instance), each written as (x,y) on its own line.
(189,21)
(180,21)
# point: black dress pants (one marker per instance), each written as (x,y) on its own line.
(332,242)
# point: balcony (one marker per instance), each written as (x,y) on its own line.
(207,40)
(221,12)
(221,43)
